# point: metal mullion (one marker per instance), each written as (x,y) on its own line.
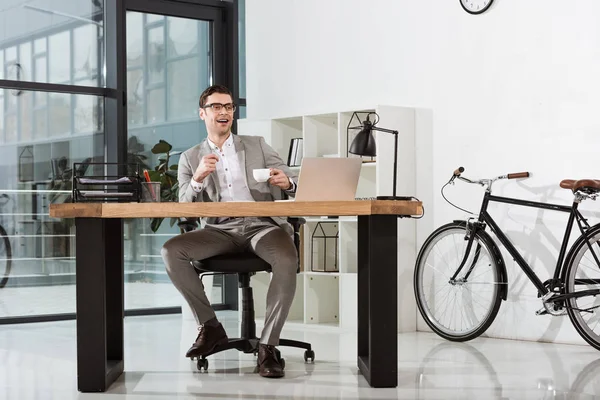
(57,88)
(145,74)
(18,119)
(165,74)
(72,80)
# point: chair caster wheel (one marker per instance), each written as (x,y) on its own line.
(309,354)
(202,363)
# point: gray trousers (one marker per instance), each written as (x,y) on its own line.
(259,235)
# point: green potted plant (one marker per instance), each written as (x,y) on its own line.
(166,174)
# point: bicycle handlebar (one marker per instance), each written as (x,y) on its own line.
(518,175)
(459,171)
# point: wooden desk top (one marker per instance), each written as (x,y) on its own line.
(236,209)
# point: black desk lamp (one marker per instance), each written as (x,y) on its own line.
(364,145)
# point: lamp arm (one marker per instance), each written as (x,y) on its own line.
(376,128)
(395,133)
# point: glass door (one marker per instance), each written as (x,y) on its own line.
(173,53)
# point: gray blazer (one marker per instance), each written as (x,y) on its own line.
(253,153)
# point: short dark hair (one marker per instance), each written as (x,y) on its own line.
(213,89)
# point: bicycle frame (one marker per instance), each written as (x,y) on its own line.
(486,218)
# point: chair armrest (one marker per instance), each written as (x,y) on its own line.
(187,224)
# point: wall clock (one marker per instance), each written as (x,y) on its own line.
(476,6)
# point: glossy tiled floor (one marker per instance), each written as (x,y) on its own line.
(37,361)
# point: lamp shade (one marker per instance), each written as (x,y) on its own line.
(364,143)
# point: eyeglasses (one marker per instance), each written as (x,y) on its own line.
(217,107)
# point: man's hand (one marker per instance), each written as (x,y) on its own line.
(279,179)
(208,164)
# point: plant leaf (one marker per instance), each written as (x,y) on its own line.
(174,167)
(154,176)
(155,224)
(161,147)
(171,173)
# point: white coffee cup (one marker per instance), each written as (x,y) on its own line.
(262,174)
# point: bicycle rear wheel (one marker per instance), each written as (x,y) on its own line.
(463,308)
(5,257)
(583,274)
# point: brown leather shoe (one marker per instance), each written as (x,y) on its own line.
(208,338)
(269,362)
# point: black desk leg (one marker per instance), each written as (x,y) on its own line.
(378,299)
(99,276)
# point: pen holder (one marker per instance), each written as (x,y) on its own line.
(150,192)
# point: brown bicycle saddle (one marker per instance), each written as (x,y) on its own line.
(585,185)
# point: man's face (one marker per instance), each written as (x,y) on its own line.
(218,121)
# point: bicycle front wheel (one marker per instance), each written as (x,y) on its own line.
(5,257)
(463,307)
(583,279)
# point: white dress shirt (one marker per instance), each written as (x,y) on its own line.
(232,182)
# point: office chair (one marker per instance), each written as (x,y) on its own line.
(245,264)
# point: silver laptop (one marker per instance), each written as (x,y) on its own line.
(328,179)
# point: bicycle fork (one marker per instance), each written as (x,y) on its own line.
(471,232)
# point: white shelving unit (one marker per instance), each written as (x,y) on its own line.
(331,297)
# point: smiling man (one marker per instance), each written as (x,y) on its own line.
(220,169)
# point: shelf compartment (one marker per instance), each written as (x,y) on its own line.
(321,299)
(321,135)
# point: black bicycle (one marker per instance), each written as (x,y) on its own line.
(460,275)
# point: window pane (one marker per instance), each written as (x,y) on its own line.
(135,40)
(135,97)
(42,278)
(153,18)
(41,69)
(183,88)
(156,55)
(85,47)
(11,100)
(39,45)
(40,122)
(183,36)
(25,61)
(1,64)
(87,111)
(26,120)
(60,50)
(60,114)
(156,106)
(159,88)
(33,22)
(11,54)
(10,128)
(242,111)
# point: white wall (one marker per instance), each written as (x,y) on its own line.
(517,88)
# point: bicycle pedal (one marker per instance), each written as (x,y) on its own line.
(542,311)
